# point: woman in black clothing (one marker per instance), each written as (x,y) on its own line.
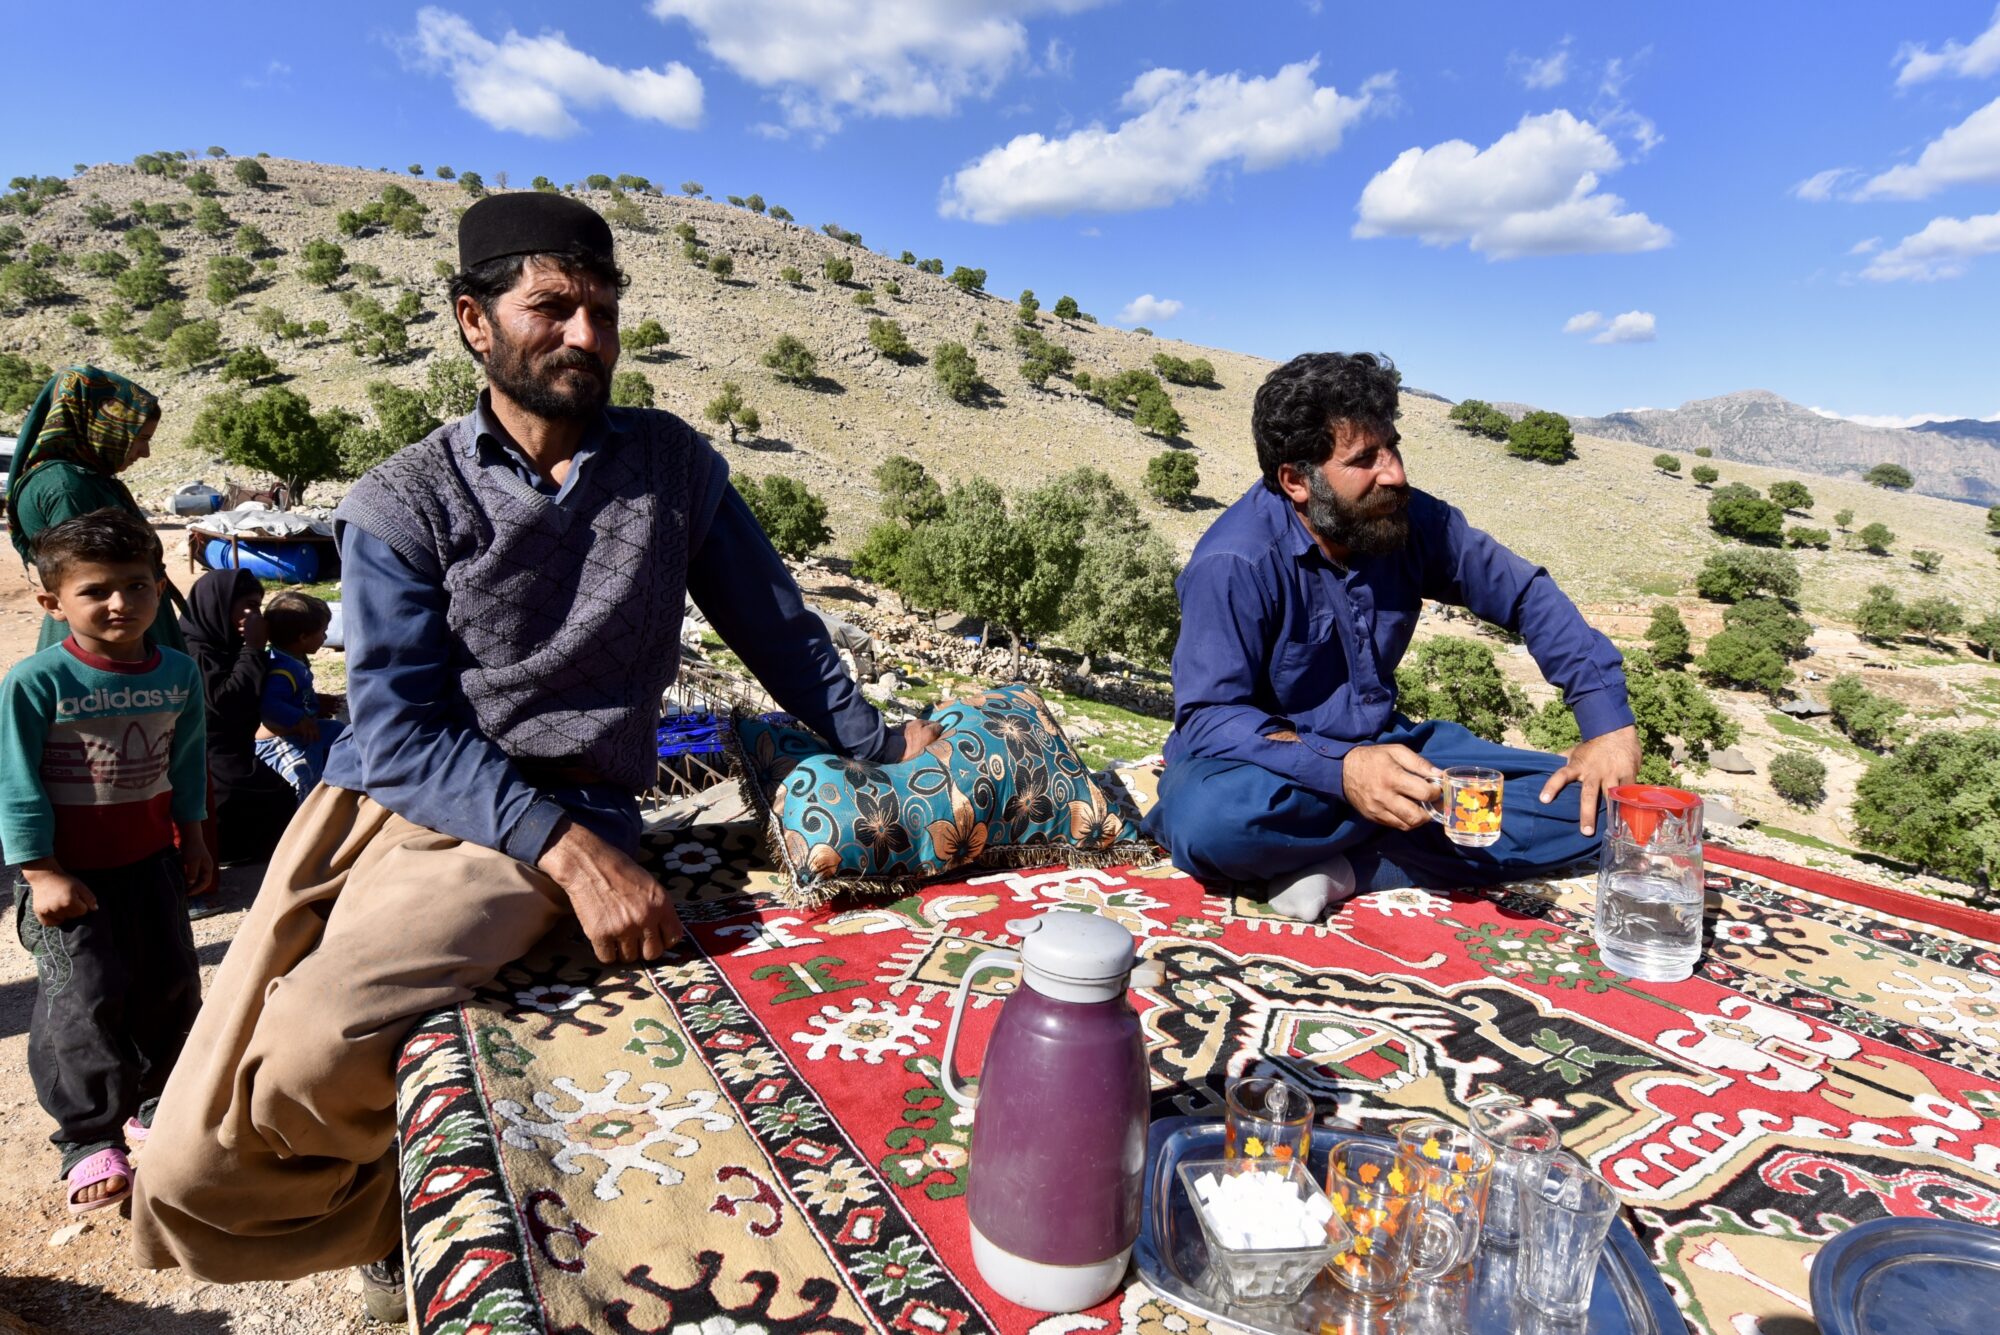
(250,803)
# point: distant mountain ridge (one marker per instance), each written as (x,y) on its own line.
(1955,460)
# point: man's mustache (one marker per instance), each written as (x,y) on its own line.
(575,359)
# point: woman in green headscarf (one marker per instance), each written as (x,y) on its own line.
(86,427)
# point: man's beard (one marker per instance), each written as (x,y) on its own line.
(545,390)
(1376,528)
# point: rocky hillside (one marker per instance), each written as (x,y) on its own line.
(1615,532)
(1958,460)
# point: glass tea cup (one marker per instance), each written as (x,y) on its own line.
(1381,1202)
(1268,1117)
(1566,1211)
(1469,805)
(1454,1174)
(1523,1142)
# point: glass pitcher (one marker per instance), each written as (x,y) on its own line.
(1649,885)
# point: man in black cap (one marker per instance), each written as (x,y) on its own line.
(513,586)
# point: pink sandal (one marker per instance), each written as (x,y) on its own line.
(98,1167)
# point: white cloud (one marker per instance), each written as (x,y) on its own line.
(1865,246)
(1943,249)
(1631,327)
(1547,72)
(1532,192)
(1822,186)
(1901,422)
(1966,154)
(528,84)
(872,57)
(276,74)
(1182,129)
(1969,60)
(1583,322)
(1149,309)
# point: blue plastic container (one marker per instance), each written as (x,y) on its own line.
(285,562)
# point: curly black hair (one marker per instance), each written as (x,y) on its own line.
(487,283)
(1297,405)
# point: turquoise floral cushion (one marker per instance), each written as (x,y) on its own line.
(1000,788)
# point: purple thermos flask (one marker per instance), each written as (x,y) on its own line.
(1059,1120)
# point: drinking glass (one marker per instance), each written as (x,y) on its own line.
(1469,805)
(1454,1172)
(1381,1203)
(1566,1213)
(1522,1142)
(1267,1116)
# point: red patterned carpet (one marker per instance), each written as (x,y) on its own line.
(754,1135)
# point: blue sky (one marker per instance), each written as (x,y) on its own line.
(1796,196)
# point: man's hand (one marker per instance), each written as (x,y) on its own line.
(197,866)
(256,631)
(58,896)
(912,739)
(1598,764)
(622,909)
(1390,785)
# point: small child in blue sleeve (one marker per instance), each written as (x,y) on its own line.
(297,730)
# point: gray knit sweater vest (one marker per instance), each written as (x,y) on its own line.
(565,618)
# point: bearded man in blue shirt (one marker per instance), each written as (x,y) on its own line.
(1289,768)
(514,587)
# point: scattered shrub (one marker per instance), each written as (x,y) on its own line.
(791,361)
(631,389)
(1936,802)
(1067,309)
(1668,636)
(728,409)
(1893,476)
(1842,518)
(1869,719)
(1172,476)
(792,517)
(645,336)
(722,266)
(968,280)
(1744,660)
(322,262)
(27,284)
(1932,617)
(250,240)
(1456,680)
(274,432)
(1770,621)
(1543,437)
(1733,574)
(957,373)
(1876,538)
(250,173)
(1799,535)
(1027,310)
(1480,418)
(248,365)
(1667,463)
(228,276)
(837,268)
(790,274)
(1798,778)
(1791,495)
(1703,475)
(886,337)
(1926,560)
(1180,371)
(1737,511)
(910,495)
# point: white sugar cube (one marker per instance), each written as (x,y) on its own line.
(1205,1187)
(1321,1209)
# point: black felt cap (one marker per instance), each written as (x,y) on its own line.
(529,222)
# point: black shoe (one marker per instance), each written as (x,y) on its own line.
(382,1293)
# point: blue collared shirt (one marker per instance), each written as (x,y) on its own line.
(415,745)
(1276,637)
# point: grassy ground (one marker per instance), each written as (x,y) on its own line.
(1799,731)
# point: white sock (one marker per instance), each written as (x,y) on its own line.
(1306,894)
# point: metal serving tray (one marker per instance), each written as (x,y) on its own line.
(1628,1298)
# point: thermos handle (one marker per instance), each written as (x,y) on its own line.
(992,959)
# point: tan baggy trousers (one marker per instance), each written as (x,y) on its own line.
(273,1153)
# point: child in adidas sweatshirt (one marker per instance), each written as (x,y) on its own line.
(102,773)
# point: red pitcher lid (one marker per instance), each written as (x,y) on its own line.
(1641,805)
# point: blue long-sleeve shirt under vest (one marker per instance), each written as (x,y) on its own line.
(415,747)
(1276,637)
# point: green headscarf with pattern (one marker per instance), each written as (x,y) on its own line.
(83,416)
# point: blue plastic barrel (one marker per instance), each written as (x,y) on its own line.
(285,562)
